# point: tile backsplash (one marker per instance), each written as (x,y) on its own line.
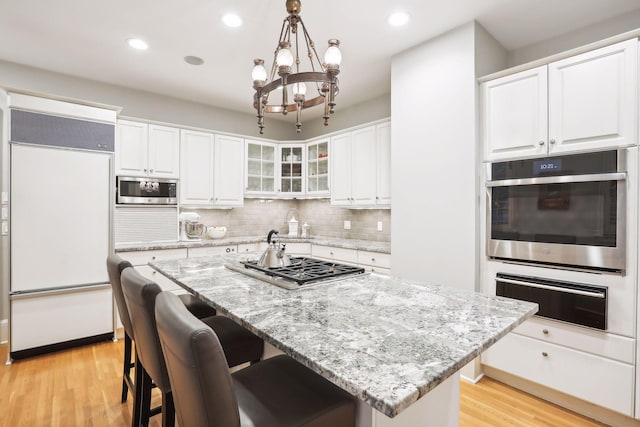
(258,216)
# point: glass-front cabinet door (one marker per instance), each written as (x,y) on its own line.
(261,169)
(291,169)
(318,167)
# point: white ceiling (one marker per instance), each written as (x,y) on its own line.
(87,38)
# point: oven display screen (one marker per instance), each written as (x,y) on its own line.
(541,167)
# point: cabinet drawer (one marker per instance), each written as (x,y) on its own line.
(165,283)
(592,341)
(335,254)
(145,257)
(604,382)
(212,251)
(377,270)
(252,247)
(374,259)
(298,248)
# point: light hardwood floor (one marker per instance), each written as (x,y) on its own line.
(81,387)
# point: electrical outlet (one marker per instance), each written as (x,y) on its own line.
(379,225)
(347,225)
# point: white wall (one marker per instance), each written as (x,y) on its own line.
(592,33)
(434,171)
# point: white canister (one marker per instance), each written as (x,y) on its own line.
(293,227)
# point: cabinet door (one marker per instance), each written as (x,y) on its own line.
(383,164)
(363,166)
(228,171)
(291,169)
(593,98)
(514,117)
(318,167)
(164,151)
(341,170)
(260,170)
(196,168)
(131,148)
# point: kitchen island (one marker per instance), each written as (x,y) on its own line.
(396,345)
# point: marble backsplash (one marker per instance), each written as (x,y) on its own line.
(258,216)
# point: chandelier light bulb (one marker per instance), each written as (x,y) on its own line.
(333,56)
(299,89)
(259,73)
(284,57)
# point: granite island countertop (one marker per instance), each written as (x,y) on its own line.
(359,244)
(384,340)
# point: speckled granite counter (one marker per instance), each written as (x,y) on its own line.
(386,341)
(366,245)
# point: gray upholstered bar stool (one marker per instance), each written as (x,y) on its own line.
(140,293)
(115,265)
(277,392)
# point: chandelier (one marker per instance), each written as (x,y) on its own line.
(321,81)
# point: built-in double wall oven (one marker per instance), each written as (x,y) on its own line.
(558,234)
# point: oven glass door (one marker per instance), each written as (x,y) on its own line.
(576,213)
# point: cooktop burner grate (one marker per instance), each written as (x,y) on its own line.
(305,270)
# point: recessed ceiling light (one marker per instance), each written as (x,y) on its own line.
(398,19)
(137,44)
(193,60)
(232,20)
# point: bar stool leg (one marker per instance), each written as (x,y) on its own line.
(168,410)
(136,417)
(126,369)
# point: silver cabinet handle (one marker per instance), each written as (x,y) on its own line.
(592,294)
(152,258)
(545,354)
(552,141)
(151,170)
(373,259)
(545,331)
(541,142)
(144,169)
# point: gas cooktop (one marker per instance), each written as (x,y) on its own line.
(303,271)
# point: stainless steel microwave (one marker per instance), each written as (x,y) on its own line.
(146,191)
(566,211)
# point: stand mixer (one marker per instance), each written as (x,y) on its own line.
(191,229)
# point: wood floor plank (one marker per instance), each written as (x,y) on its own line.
(82,386)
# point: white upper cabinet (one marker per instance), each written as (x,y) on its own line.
(318,168)
(383,164)
(228,188)
(585,102)
(341,170)
(196,168)
(361,167)
(260,177)
(147,150)
(592,99)
(212,169)
(515,114)
(291,171)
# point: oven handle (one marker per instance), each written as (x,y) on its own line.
(612,176)
(552,288)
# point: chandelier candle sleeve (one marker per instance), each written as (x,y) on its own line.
(287,65)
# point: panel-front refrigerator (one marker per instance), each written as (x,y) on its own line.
(60,231)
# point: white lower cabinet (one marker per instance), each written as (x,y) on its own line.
(163,281)
(599,380)
(298,248)
(212,251)
(373,262)
(244,248)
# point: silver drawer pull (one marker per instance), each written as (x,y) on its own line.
(552,288)
(544,353)
(545,331)
(152,258)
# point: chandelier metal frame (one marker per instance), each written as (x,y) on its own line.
(323,75)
